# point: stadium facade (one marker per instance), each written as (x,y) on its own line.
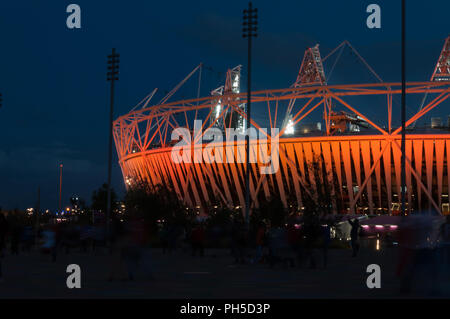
(360,157)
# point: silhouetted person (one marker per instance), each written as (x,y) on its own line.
(241,243)
(293,237)
(173,237)
(48,237)
(134,239)
(164,237)
(354,236)
(198,240)
(260,242)
(85,237)
(311,233)
(118,242)
(419,237)
(57,235)
(3,231)
(445,237)
(15,238)
(27,238)
(326,244)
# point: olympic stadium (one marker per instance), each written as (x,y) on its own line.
(362,157)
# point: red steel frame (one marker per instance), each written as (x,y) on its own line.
(142,139)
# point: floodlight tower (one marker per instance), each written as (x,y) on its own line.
(249,31)
(403,112)
(112,75)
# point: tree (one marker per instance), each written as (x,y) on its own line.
(159,203)
(320,200)
(272,210)
(99,199)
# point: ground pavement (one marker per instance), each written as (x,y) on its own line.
(179,275)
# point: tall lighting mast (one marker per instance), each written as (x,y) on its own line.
(249,31)
(112,76)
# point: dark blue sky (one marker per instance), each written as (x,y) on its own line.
(53,79)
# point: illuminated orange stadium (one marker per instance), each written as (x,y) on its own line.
(363,157)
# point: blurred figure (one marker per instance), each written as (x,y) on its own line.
(100,237)
(27,238)
(117,237)
(49,243)
(240,242)
(445,242)
(86,237)
(3,231)
(164,237)
(419,237)
(198,240)
(326,243)
(70,237)
(354,236)
(16,230)
(57,230)
(280,250)
(260,242)
(134,239)
(173,235)
(293,237)
(311,233)
(127,251)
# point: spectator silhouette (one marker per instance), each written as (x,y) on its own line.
(326,243)
(354,236)
(198,240)
(311,233)
(3,230)
(260,240)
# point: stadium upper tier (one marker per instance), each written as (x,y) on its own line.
(344,152)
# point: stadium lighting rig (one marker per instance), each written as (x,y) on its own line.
(112,76)
(249,31)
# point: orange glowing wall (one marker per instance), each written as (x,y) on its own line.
(372,163)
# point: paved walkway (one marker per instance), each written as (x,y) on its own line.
(32,275)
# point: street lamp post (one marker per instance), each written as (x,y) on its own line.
(249,31)
(60,185)
(37,216)
(112,76)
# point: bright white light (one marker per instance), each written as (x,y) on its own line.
(218,108)
(289,128)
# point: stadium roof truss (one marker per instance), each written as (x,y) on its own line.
(144,129)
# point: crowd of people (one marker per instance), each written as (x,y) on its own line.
(263,242)
(300,244)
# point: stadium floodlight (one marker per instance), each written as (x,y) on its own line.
(249,31)
(289,128)
(112,76)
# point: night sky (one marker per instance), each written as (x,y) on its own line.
(53,79)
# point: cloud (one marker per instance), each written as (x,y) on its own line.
(34,159)
(222,35)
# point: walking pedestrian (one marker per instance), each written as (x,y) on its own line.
(311,232)
(198,240)
(260,238)
(354,236)
(326,243)
(3,230)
